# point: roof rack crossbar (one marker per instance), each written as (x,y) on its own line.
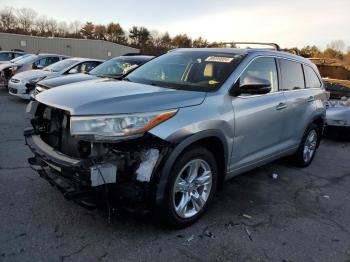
(274,45)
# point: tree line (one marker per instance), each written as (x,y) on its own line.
(28,21)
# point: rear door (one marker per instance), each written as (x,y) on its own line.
(258,118)
(299,101)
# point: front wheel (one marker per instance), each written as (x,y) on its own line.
(190,188)
(308,146)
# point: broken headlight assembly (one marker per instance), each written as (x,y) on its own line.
(117,127)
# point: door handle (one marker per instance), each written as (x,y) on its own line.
(281,106)
(310,99)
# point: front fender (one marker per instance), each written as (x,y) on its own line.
(175,153)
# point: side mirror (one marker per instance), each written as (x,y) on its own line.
(251,85)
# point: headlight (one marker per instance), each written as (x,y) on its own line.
(116,126)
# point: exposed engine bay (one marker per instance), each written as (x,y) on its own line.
(124,170)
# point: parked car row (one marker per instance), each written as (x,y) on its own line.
(23,84)
(26,62)
(21,75)
(166,135)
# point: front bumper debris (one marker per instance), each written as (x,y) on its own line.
(86,180)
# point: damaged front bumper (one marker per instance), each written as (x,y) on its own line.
(99,179)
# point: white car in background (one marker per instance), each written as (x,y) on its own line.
(25,63)
(23,84)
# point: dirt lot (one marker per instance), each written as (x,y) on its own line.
(303,215)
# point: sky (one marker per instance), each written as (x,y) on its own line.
(288,23)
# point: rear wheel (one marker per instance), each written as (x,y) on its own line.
(308,146)
(191,187)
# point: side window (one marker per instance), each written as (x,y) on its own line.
(264,68)
(41,62)
(311,79)
(88,66)
(75,70)
(51,60)
(292,75)
(15,55)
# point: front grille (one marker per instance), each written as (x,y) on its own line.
(54,127)
(13,80)
(13,90)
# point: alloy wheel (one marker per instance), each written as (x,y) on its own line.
(192,188)
(310,146)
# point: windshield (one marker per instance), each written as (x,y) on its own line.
(27,59)
(61,65)
(19,58)
(188,70)
(4,56)
(114,67)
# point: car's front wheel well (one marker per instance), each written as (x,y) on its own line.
(216,147)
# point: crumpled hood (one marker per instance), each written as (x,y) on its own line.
(105,96)
(6,65)
(66,79)
(31,74)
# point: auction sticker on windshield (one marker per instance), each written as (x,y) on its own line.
(219,59)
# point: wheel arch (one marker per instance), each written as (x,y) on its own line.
(207,139)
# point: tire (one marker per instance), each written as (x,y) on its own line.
(197,197)
(308,146)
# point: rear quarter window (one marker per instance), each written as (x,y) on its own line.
(311,78)
(292,75)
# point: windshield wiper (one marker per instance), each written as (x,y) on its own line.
(125,79)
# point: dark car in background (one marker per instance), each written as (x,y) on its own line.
(113,68)
(6,56)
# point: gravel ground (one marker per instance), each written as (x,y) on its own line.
(303,215)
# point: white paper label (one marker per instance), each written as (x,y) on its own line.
(220,59)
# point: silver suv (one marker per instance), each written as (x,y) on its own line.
(173,130)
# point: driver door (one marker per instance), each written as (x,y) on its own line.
(259,118)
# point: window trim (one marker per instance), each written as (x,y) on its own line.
(302,70)
(319,80)
(245,68)
(276,57)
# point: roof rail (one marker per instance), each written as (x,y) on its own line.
(233,44)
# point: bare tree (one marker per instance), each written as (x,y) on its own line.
(41,24)
(337,45)
(75,27)
(62,28)
(7,18)
(52,26)
(26,18)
